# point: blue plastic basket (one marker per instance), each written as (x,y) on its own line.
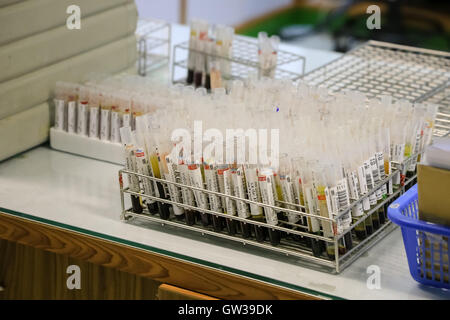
(426,244)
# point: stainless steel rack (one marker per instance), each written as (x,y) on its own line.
(244,61)
(379,68)
(289,245)
(153,45)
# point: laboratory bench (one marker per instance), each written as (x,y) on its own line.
(59,209)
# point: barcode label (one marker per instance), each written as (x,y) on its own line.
(228,186)
(188,196)
(342,192)
(288,195)
(195,176)
(398,152)
(380,163)
(362,180)
(369,177)
(374,167)
(240,191)
(357,210)
(253,191)
(265,185)
(213,185)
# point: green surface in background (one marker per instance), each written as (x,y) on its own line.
(311,16)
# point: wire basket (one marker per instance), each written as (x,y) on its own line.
(426,244)
(153,45)
(295,240)
(380,68)
(244,61)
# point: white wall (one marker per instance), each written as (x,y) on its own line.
(231,12)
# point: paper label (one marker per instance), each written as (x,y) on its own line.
(142,167)
(195,176)
(228,185)
(240,191)
(312,205)
(289,196)
(187,194)
(72,117)
(362,180)
(93,122)
(357,210)
(116,124)
(60,114)
(213,185)
(265,185)
(82,119)
(174,191)
(126,119)
(398,153)
(105,124)
(253,191)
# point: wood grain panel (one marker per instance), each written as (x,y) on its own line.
(30,273)
(146,264)
(168,292)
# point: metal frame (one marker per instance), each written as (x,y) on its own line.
(244,60)
(377,68)
(287,247)
(152,34)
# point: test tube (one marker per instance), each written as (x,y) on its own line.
(60,105)
(130,164)
(266,185)
(192,54)
(83,112)
(254,194)
(240,190)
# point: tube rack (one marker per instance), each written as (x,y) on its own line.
(244,61)
(153,45)
(289,245)
(376,68)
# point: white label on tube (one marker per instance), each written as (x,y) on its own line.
(311,203)
(228,184)
(82,119)
(357,210)
(93,122)
(380,164)
(375,171)
(126,119)
(288,194)
(174,191)
(72,117)
(362,180)
(398,153)
(105,124)
(412,166)
(116,124)
(396,178)
(390,190)
(60,114)
(265,185)
(253,191)
(240,191)
(195,176)
(130,164)
(142,167)
(188,195)
(213,185)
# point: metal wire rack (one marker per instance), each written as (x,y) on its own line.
(153,45)
(380,68)
(244,61)
(295,240)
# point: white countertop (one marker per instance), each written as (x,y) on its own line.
(84,193)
